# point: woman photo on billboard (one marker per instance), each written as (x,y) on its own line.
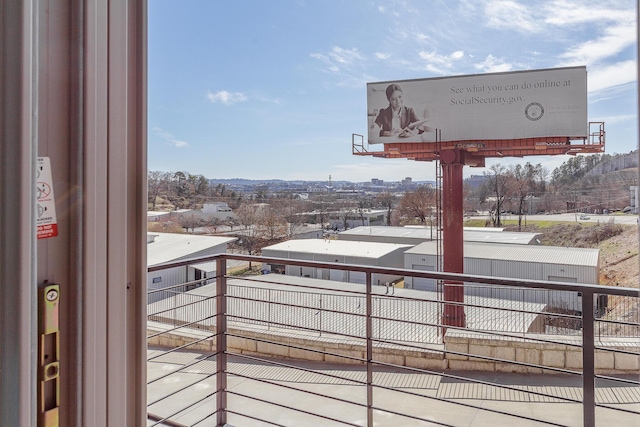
(397,119)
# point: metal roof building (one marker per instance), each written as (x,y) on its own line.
(534,262)
(167,247)
(347,252)
(415,235)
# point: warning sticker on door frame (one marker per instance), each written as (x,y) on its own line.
(46,221)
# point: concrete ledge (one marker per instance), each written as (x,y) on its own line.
(561,354)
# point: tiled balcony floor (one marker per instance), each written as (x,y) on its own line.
(190,380)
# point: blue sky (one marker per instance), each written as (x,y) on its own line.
(273,89)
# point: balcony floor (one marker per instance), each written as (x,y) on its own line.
(188,381)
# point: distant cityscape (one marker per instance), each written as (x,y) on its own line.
(278,185)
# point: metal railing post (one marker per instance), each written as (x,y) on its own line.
(269,310)
(369,333)
(221,342)
(588,361)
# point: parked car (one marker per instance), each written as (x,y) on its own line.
(584,217)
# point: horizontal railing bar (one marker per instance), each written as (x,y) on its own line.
(158,419)
(304,328)
(468,304)
(302,411)
(295,367)
(617,408)
(186,387)
(555,285)
(616,322)
(618,350)
(173,287)
(186,365)
(500,334)
(313,393)
(486,383)
(318,290)
(618,379)
(240,414)
(190,406)
(181,326)
(453,402)
(358,359)
(182,347)
(186,304)
(284,304)
(174,349)
(212,414)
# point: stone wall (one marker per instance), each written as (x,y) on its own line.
(460,351)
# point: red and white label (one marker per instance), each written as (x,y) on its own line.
(46,221)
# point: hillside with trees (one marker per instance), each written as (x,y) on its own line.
(581,184)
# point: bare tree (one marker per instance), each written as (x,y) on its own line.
(387,201)
(270,225)
(157,183)
(347,209)
(361,208)
(523,185)
(189,222)
(419,203)
(498,184)
(250,239)
(322,213)
(291,213)
(212,226)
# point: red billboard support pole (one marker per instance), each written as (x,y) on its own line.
(452,243)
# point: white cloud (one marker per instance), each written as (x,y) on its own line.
(510,15)
(168,137)
(382,56)
(491,64)
(437,63)
(345,56)
(338,58)
(614,40)
(568,13)
(347,64)
(179,144)
(226,97)
(601,78)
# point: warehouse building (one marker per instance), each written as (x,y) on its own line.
(416,235)
(351,218)
(533,262)
(163,248)
(338,251)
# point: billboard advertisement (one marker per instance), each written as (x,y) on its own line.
(512,105)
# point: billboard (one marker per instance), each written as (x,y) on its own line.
(513,105)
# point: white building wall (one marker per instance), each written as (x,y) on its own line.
(410,260)
(516,270)
(395,260)
(169,277)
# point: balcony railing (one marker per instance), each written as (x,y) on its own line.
(284,350)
